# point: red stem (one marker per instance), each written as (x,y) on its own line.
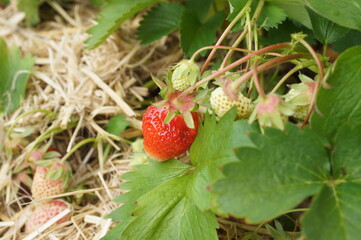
(234,64)
(264,67)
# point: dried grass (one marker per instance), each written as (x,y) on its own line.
(92,85)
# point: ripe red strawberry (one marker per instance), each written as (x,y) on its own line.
(50,180)
(164,141)
(44,213)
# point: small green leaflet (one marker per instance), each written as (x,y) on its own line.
(208,153)
(278,233)
(326,31)
(31,9)
(271,16)
(337,207)
(158,207)
(160,21)
(343,12)
(114,13)
(14,74)
(195,34)
(344,94)
(285,168)
(117,124)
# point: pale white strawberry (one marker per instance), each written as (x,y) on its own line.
(50,180)
(221,104)
(44,212)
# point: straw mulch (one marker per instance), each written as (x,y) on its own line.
(89,85)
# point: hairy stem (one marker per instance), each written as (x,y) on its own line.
(233,65)
(224,34)
(264,67)
(319,80)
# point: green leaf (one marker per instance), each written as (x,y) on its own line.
(285,168)
(97,3)
(212,149)
(343,12)
(278,233)
(271,16)
(115,12)
(117,124)
(335,213)
(342,102)
(325,31)
(195,34)
(337,207)
(167,213)
(350,39)
(346,157)
(283,33)
(14,74)
(295,10)
(200,8)
(160,21)
(31,10)
(144,179)
(158,206)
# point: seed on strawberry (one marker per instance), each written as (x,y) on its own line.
(44,213)
(164,141)
(221,104)
(50,180)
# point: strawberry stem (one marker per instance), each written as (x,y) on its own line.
(79,145)
(256,82)
(218,47)
(11,128)
(233,65)
(319,80)
(287,75)
(224,34)
(264,67)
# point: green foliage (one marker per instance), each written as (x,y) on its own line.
(295,11)
(326,31)
(200,8)
(351,39)
(343,12)
(208,154)
(97,3)
(31,9)
(344,77)
(271,16)
(159,192)
(112,16)
(273,177)
(117,124)
(160,21)
(195,34)
(336,207)
(278,233)
(14,73)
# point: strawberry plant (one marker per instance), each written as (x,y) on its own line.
(269,144)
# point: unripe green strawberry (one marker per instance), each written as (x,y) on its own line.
(221,104)
(185,74)
(44,213)
(50,180)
